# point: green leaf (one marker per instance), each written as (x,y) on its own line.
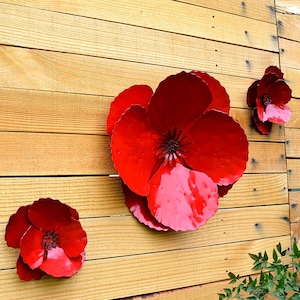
(275,256)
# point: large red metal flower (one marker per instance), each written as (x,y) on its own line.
(268,98)
(176,149)
(50,238)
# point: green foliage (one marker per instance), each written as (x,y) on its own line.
(275,279)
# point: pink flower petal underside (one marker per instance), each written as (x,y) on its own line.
(58,264)
(137,94)
(26,273)
(280,93)
(48,214)
(134,146)
(139,208)
(263,127)
(178,101)
(251,94)
(16,227)
(31,247)
(72,238)
(182,199)
(220,98)
(278,114)
(275,70)
(218,147)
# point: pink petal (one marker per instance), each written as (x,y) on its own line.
(280,93)
(58,264)
(134,146)
(139,208)
(31,247)
(252,94)
(260,110)
(275,70)
(72,238)
(17,225)
(277,114)
(26,273)
(137,94)
(48,214)
(220,98)
(218,147)
(263,127)
(178,100)
(182,199)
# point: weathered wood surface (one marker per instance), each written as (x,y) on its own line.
(63,62)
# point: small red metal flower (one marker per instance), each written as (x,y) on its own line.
(176,149)
(50,238)
(268,98)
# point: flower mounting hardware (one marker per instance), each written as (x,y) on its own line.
(50,237)
(268,98)
(176,150)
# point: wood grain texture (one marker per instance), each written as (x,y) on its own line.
(293,168)
(100,38)
(164,15)
(294,198)
(289,53)
(288,23)
(292,142)
(294,122)
(161,271)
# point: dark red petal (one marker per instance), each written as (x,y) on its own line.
(280,93)
(74,212)
(137,94)
(223,189)
(139,208)
(265,84)
(275,70)
(178,100)
(31,247)
(252,94)
(263,127)
(134,145)
(72,238)
(48,214)
(220,98)
(16,227)
(26,273)
(278,114)
(182,199)
(260,110)
(218,147)
(58,264)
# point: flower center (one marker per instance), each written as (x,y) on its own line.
(266,99)
(49,240)
(171,146)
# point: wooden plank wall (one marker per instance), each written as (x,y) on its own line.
(61,64)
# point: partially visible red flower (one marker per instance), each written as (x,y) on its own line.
(268,98)
(50,238)
(176,149)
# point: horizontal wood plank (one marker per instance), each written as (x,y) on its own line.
(161,271)
(214,25)
(292,142)
(290,7)
(100,196)
(292,77)
(294,198)
(23,154)
(92,37)
(289,53)
(263,10)
(294,122)
(293,167)
(288,23)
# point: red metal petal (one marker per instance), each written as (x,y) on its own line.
(72,238)
(263,127)
(278,114)
(31,247)
(138,205)
(264,85)
(134,145)
(26,273)
(280,93)
(182,199)
(218,147)
(275,70)
(220,98)
(137,94)
(58,264)
(16,227)
(223,189)
(178,100)
(48,214)
(252,94)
